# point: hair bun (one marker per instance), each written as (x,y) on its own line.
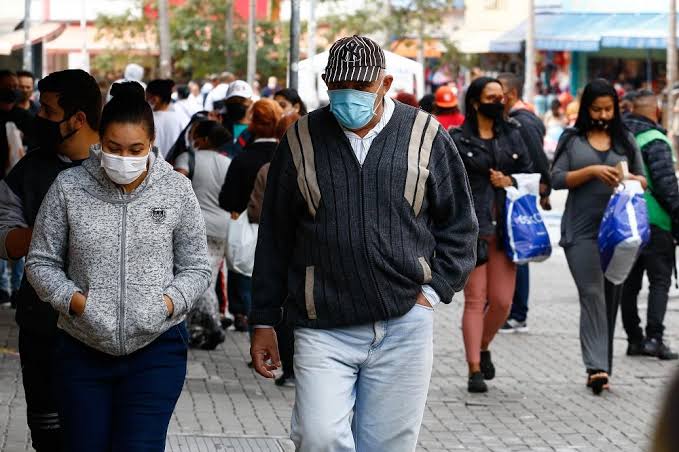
(129,91)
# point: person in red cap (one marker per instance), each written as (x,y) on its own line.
(446,109)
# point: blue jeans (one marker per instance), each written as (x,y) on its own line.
(521,292)
(363,388)
(10,275)
(119,403)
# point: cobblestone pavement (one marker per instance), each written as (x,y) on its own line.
(538,401)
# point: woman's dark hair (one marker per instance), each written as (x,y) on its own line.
(292,96)
(556,105)
(215,133)
(128,106)
(161,88)
(474,95)
(620,136)
(427,103)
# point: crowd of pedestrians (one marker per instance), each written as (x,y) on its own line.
(154,216)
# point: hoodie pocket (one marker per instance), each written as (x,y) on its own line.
(145,311)
(99,320)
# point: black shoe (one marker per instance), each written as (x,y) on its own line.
(226,322)
(476,383)
(241,323)
(213,340)
(487,367)
(657,348)
(635,348)
(597,381)
(286,380)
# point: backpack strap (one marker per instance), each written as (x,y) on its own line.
(192,162)
(302,150)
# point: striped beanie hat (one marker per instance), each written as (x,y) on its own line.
(354,59)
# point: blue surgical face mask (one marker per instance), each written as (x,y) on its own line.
(353,108)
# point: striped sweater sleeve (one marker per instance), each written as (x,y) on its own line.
(454,224)
(275,241)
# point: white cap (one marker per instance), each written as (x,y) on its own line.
(134,72)
(239,88)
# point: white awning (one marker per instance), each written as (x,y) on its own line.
(479,41)
(14,40)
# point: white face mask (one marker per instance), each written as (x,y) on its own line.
(123,170)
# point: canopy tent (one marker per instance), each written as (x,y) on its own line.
(588,32)
(408,76)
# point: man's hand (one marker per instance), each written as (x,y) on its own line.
(169,304)
(18,241)
(422,300)
(78,302)
(264,352)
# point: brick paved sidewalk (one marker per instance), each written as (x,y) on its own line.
(538,402)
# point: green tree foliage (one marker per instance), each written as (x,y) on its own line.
(197,33)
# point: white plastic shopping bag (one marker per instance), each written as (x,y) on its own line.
(241,239)
(624,231)
(16,145)
(526,236)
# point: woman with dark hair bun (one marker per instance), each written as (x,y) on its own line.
(119,250)
(290,101)
(492,150)
(585,164)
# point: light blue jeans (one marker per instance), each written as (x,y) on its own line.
(363,388)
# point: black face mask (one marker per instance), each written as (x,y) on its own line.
(10,96)
(48,133)
(601,124)
(235,112)
(492,110)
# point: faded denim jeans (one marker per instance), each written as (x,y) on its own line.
(363,388)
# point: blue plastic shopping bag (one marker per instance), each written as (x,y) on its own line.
(526,237)
(624,231)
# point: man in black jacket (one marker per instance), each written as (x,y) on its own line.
(66,127)
(657,258)
(533,133)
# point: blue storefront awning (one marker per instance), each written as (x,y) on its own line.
(588,32)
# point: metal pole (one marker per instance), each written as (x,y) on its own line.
(311,53)
(293,75)
(164,37)
(529,77)
(252,43)
(28,47)
(671,65)
(84,57)
(228,35)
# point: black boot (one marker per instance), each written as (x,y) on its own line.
(476,383)
(487,366)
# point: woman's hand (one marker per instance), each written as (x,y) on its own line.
(606,174)
(78,302)
(169,304)
(641,179)
(499,180)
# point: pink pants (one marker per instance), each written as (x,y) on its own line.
(488,299)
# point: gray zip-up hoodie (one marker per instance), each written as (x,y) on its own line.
(124,251)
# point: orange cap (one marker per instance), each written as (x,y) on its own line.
(445,97)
